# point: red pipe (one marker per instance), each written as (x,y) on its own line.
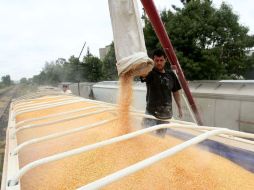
(161,33)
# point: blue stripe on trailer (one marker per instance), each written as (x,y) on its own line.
(241,157)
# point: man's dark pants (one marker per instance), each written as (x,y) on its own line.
(147,122)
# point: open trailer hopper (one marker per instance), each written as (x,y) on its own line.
(67,142)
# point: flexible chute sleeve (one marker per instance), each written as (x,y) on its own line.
(129,40)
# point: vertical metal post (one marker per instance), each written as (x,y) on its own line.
(161,33)
(81,50)
(78,68)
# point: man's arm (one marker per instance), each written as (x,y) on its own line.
(146,78)
(177,98)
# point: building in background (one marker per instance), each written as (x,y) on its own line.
(103,51)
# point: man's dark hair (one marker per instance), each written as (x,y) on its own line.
(159,53)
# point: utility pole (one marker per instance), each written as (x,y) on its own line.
(82,50)
(78,72)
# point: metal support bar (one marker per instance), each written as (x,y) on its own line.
(61,134)
(186,144)
(98,184)
(25,101)
(28,100)
(49,106)
(26,97)
(33,104)
(44,104)
(35,95)
(204,128)
(61,120)
(137,114)
(59,114)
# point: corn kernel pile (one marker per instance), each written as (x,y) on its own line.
(192,168)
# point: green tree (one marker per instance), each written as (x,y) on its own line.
(92,68)
(23,80)
(109,65)
(72,70)
(6,80)
(209,43)
(53,72)
(40,79)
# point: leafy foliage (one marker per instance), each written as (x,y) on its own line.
(6,81)
(24,81)
(210,43)
(109,65)
(91,69)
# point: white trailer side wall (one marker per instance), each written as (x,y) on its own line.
(227,104)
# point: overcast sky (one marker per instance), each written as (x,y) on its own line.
(35,31)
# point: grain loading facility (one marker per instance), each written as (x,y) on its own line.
(67,142)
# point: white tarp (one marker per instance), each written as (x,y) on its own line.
(128,35)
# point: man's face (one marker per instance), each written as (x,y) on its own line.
(159,62)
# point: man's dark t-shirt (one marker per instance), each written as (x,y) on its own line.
(159,88)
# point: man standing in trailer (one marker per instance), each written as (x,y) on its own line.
(161,84)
